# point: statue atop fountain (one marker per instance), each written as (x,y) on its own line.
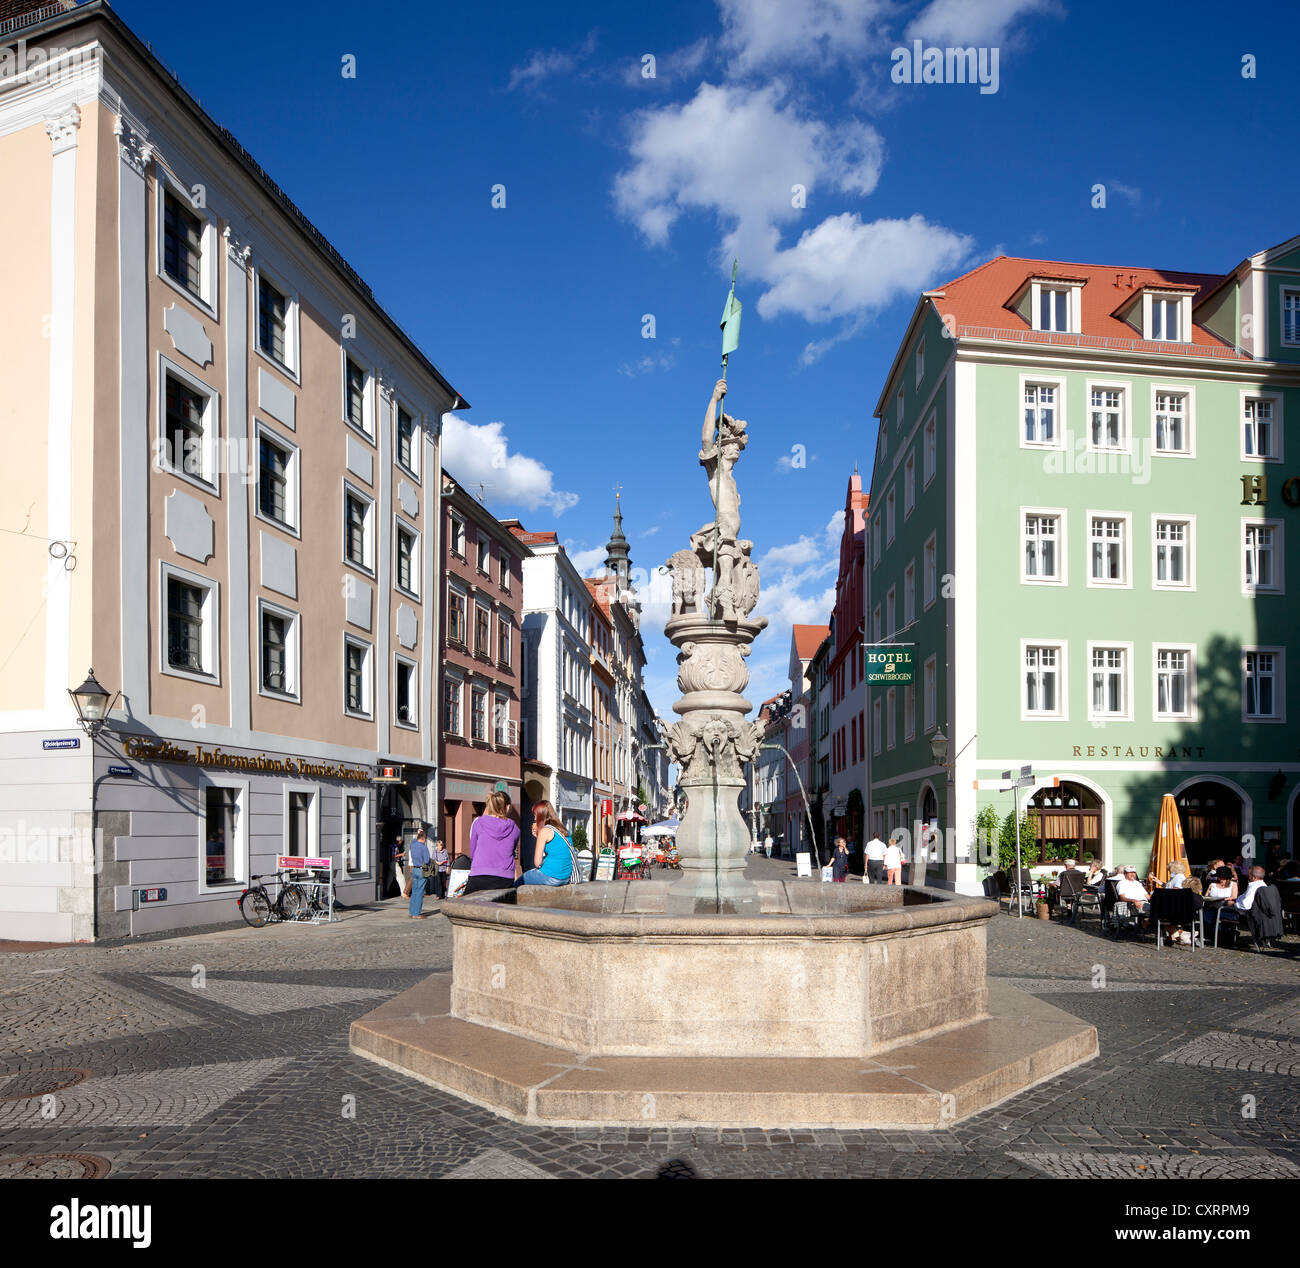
(712,633)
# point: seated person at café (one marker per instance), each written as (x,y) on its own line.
(1193,887)
(1131,890)
(1096,876)
(1177,874)
(1222,884)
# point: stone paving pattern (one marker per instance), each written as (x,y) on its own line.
(225,1054)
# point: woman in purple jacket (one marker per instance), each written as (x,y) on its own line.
(493,847)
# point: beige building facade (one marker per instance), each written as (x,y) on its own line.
(221,492)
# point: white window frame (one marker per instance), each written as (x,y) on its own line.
(909,484)
(1058,385)
(211,640)
(239,854)
(930,572)
(875,540)
(909,594)
(875,625)
(1188,393)
(292,658)
(920,360)
(472,645)
(293,479)
(367,709)
(1283,291)
(930,690)
(1125,390)
(1184,301)
(401,662)
(486,738)
(891,612)
(1192,713)
(503,576)
(877,725)
(417,437)
(1062,712)
(929,451)
(457,522)
(1279,685)
(401,525)
(210,247)
(291,367)
(891,517)
(1108,645)
(909,712)
(1279,433)
(500,701)
(891,719)
(363,842)
(313,818)
(367,428)
(368,530)
(1279,556)
(1126,517)
(209,478)
(503,618)
(1062,546)
(1073,305)
(900,411)
(458,681)
(1189,522)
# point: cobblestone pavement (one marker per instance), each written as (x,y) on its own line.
(225,1054)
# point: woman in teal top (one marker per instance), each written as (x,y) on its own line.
(553,858)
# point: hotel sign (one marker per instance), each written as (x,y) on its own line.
(887,663)
(141,748)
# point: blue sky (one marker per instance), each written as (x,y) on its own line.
(626,195)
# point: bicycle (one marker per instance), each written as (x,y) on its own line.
(258,907)
(316,897)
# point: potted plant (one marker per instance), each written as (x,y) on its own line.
(1041,908)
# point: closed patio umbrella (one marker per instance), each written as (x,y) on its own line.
(1168,844)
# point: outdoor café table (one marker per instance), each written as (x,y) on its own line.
(1215,907)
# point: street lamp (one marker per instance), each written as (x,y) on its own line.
(93,704)
(939,748)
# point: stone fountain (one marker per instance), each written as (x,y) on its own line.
(709,998)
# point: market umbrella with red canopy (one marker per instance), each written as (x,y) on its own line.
(1168,844)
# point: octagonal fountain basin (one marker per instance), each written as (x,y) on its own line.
(842,1005)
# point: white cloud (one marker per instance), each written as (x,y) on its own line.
(796,555)
(680,64)
(846,266)
(735,152)
(762,33)
(1130,192)
(647,365)
(586,561)
(547,64)
(835,529)
(481,456)
(649,532)
(974,22)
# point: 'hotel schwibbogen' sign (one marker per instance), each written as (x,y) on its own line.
(886,663)
(142,749)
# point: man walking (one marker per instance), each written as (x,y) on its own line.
(418,858)
(767,845)
(875,860)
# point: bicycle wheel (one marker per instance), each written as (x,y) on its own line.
(255,907)
(293,903)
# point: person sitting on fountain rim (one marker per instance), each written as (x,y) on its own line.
(840,861)
(553,856)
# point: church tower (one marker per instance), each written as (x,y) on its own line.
(617,561)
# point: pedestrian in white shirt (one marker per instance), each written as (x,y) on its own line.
(893,861)
(875,861)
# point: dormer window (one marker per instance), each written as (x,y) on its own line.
(1166,317)
(1053,309)
(1051,304)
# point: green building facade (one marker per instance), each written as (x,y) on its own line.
(1085,484)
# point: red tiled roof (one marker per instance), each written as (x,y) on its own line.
(808,638)
(532,539)
(979,301)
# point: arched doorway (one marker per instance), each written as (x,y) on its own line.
(1213,818)
(1070,823)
